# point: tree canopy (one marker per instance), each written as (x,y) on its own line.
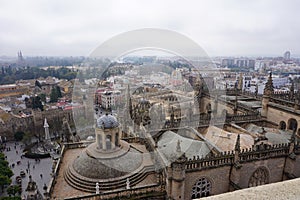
(5,172)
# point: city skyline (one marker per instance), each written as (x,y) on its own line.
(231,28)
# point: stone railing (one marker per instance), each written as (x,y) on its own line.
(154,191)
(284,102)
(282,95)
(54,174)
(224,158)
(74,145)
(258,152)
(264,151)
(207,119)
(252,94)
(243,117)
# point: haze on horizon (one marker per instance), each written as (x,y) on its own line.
(221,28)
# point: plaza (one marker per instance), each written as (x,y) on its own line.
(39,169)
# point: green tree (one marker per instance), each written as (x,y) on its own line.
(4,180)
(10,198)
(5,172)
(19,135)
(53,95)
(43,97)
(59,95)
(27,138)
(37,103)
(13,190)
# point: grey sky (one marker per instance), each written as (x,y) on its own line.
(220,27)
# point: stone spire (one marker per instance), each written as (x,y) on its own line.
(178,148)
(172,119)
(237,144)
(256,89)
(240,83)
(128,106)
(235,102)
(292,93)
(237,150)
(269,88)
(46,127)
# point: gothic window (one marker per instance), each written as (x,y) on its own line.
(224,112)
(100,141)
(292,124)
(282,125)
(117,139)
(259,177)
(108,142)
(208,108)
(201,189)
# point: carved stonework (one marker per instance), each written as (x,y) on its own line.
(269,88)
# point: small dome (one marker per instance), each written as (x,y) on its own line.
(107,121)
(143,101)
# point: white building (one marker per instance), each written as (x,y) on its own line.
(107,100)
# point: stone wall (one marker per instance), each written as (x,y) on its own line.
(277,113)
(229,171)
(219,178)
(34,123)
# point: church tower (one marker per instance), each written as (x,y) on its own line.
(176,175)
(198,95)
(268,92)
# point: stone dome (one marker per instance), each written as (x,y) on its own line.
(94,168)
(107,121)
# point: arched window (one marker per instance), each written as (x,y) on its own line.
(108,142)
(224,112)
(293,124)
(117,139)
(282,125)
(208,108)
(202,188)
(259,177)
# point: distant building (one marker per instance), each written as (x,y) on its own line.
(11,90)
(280,81)
(227,62)
(245,63)
(110,99)
(287,55)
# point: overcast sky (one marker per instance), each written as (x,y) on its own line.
(220,27)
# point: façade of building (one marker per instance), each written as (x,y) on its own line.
(235,141)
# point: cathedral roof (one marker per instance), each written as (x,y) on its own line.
(168,143)
(225,140)
(107,121)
